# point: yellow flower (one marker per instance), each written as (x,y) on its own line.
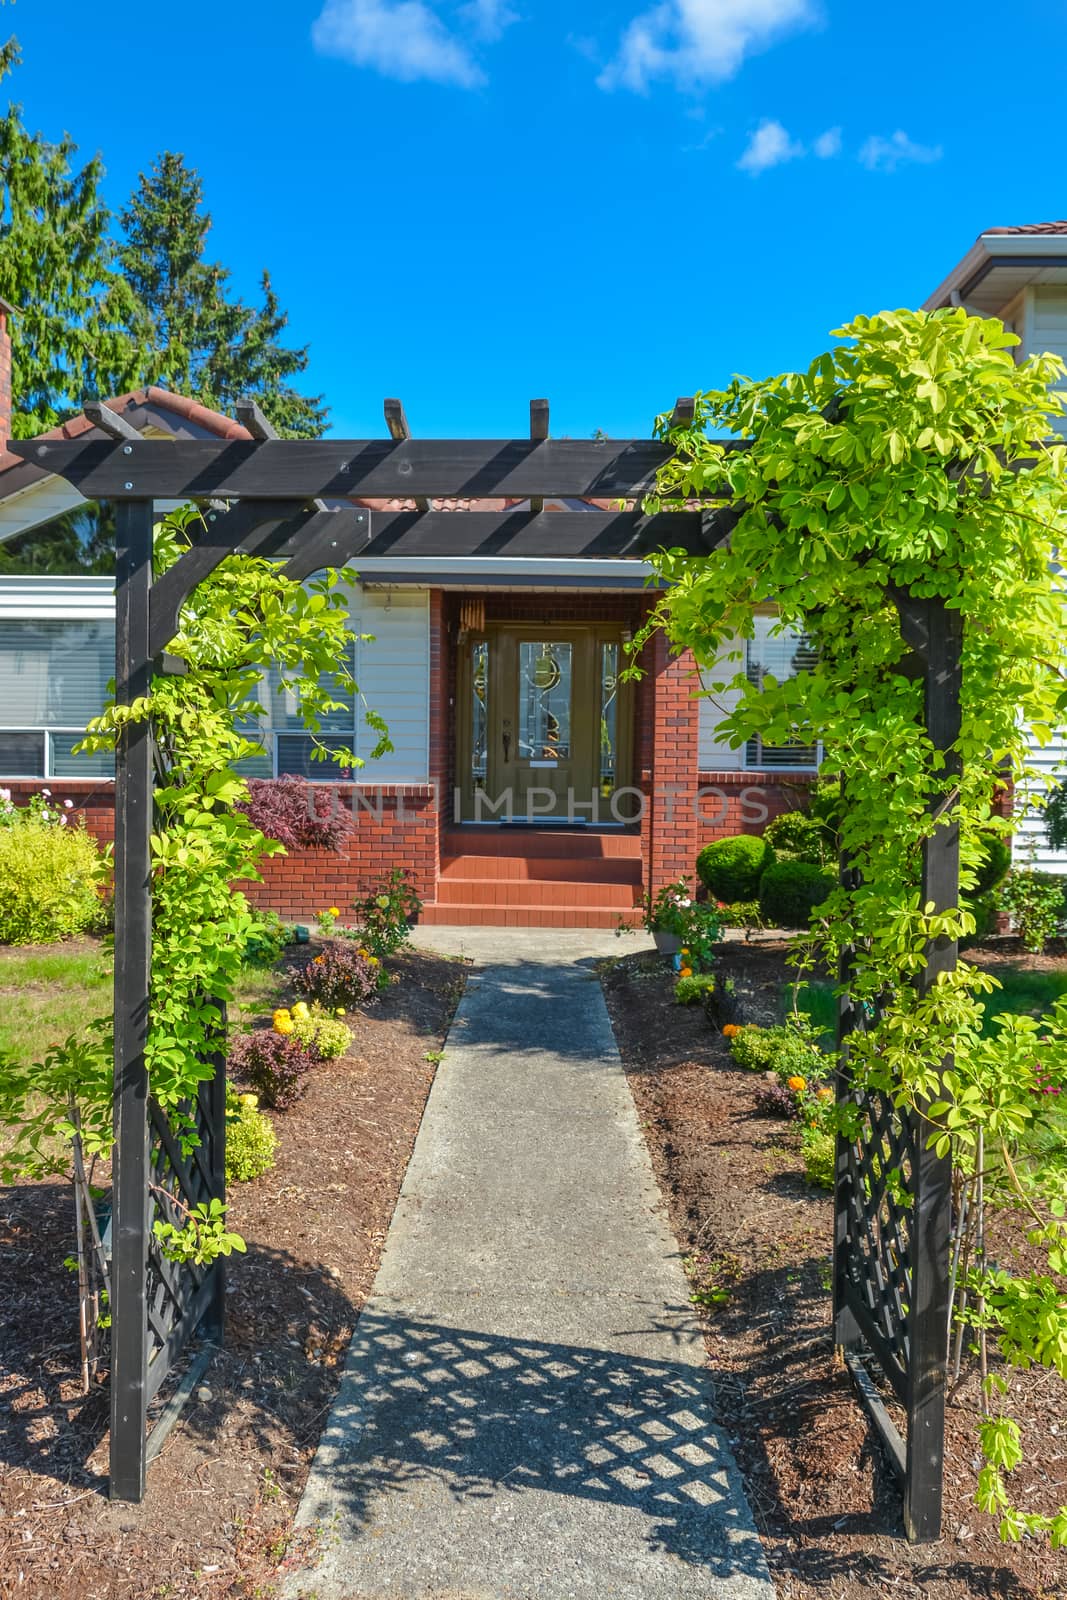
(340,1012)
(797,1084)
(283,1024)
(334,911)
(249,1100)
(300,1009)
(383,901)
(373,961)
(824,1094)
(282,1011)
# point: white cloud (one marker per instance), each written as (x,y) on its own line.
(828,144)
(886,155)
(697,42)
(489,18)
(399,38)
(769,146)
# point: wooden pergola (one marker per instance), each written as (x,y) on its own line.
(292,500)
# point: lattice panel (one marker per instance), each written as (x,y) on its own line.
(178,1292)
(876,1196)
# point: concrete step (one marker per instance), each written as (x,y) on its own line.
(529,842)
(469,914)
(542,869)
(521,891)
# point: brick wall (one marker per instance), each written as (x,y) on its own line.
(397,826)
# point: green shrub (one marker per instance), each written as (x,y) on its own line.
(1035,903)
(730,869)
(250,1138)
(326,1035)
(50,881)
(695,987)
(798,836)
(385,915)
(787,1050)
(820,1155)
(742,914)
(992,866)
(789,891)
(266,939)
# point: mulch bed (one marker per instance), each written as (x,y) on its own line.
(758,1237)
(222,1495)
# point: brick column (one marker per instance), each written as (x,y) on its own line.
(671,831)
(441,732)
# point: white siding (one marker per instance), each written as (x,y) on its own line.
(1045,327)
(393,673)
(47,498)
(713,752)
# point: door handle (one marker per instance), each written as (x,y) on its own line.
(507,746)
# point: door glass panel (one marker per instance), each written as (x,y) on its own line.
(609,717)
(544,701)
(479,711)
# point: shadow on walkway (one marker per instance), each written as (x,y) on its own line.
(484,1415)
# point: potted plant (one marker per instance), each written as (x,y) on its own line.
(667,916)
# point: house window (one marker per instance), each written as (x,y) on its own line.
(53,681)
(286,747)
(54,675)
(780,654)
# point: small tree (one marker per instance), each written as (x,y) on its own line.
(70,336)
(198,338)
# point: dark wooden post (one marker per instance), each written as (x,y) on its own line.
(931,1173)
(214,1124)
(133,949)
(846,1328)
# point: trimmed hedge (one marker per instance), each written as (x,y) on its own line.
(730,869)
(800,836)
(789,891)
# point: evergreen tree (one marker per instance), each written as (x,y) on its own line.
(69,335)
(196,339)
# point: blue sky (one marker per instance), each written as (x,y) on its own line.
(470,202)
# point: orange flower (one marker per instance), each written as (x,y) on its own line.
(685,972)
(797,1084)
(824,1094)
(731,1030)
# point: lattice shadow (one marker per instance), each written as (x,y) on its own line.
(488,1415)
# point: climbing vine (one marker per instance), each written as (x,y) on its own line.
(244,618)
(910,460)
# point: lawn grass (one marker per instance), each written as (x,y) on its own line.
(1022,992)
(48,992)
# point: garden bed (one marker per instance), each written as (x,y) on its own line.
(222,1495)
(757,1239)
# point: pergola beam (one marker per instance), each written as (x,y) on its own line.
(251,417)
(303,469)
(110,422)
(538,431)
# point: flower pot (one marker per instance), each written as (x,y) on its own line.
(668,944)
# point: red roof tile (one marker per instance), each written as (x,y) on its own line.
(162,400)
(1031,227)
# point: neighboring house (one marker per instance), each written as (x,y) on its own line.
(1020,275)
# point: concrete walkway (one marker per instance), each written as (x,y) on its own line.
(525,1412)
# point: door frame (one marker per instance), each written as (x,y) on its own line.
(602,633)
